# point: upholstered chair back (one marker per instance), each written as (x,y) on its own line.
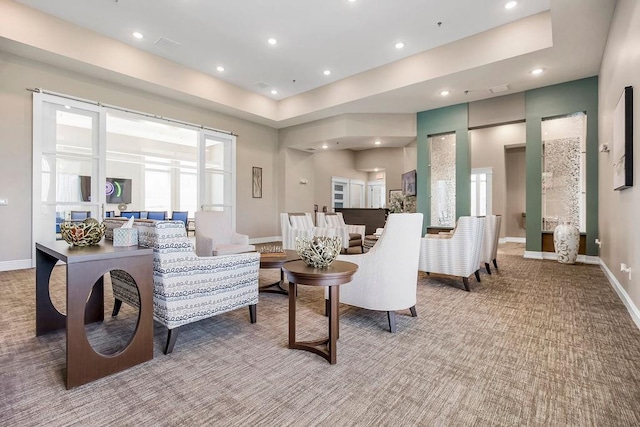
(387,274)
(294,225)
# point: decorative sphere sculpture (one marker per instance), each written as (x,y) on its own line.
(318,252)
(86,233)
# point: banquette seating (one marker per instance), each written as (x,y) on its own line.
(187,288)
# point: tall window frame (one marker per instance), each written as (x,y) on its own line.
(46,203)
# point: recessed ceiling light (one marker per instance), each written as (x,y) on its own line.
(274,92)
(377,142)
(399,45)
(444,93)
(510,4)
(137,35)
(68,107)
(536,71)
(375,169)
(272,41)
(326,72)
(325,146)
(352,1)
(220,68)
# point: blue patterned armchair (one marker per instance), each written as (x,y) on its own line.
(187,288)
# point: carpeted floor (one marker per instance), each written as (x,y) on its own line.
(537,343)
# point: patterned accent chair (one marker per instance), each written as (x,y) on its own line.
(455,254)
(214,235)
(490,242)
(387,275)
(187,288)
(352,235)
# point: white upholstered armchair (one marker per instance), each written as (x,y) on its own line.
(352,235)
(457,254)
(490,242)
(214,235)
(387,274)
(187,288)
(294,225)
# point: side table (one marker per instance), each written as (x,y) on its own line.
(336,274)
(86,267)
(271,260)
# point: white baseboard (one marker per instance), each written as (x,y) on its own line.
(585,259)
(624,296)
(18,264)
(533,255)
(265,239)
(512,240)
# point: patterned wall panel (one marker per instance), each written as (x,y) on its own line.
(443,179)
(563,177)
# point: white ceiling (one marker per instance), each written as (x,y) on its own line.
(342,36)
(479,45)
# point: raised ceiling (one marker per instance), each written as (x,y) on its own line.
(344,37)
(480,45)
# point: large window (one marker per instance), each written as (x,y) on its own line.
(481,188)
(80,148)
(157,189)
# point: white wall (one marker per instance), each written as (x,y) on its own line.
(257,146)
(513,223)
(619,210)
(328,164)
(488,150)
(394,161)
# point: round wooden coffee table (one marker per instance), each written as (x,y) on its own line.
(338,273)
(274,260)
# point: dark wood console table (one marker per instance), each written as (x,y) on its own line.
(338,273)
(86,267)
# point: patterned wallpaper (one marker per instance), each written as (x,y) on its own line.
(443,179)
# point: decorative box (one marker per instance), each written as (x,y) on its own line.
(125,237)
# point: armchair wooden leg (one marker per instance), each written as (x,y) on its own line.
(116,307)
(253,312)
(172,335)
(392,321)
(487,267)
(495,263)
(413,311)
(465,280)
(477,273)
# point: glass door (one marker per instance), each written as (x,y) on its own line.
(68,163)
(216,165)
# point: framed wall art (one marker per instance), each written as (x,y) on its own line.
(409,183)
(623,141)
(257,182)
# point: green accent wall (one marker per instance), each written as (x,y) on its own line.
(444,120)
(558,100)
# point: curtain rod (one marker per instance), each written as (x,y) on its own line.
(126,110)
